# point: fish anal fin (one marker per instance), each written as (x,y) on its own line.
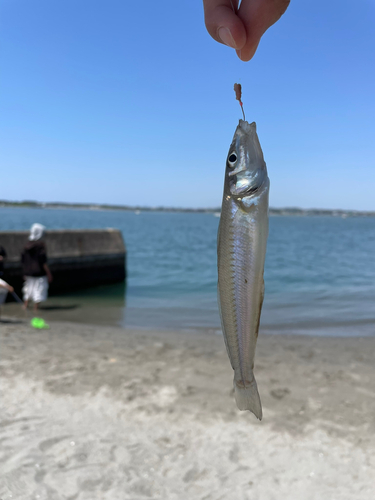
(260,310)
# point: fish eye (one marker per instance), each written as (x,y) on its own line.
(232,159)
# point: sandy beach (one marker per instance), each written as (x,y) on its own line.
(92,412)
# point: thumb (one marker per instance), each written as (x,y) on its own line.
(223,24)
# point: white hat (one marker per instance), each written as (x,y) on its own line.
(36,232)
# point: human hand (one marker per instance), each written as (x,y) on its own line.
(10,289)
(242,29)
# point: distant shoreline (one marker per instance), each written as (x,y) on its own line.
(287,211)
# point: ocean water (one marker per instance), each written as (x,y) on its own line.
(319,273)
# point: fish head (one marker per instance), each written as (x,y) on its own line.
(246,169)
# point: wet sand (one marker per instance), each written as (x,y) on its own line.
(90,412)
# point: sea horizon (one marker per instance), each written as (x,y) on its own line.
(273,211)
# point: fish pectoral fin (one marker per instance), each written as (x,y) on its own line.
(247,397)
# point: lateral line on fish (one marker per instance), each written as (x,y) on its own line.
(239,345)
(234,299)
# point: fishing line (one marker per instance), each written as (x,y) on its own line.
(237,86)
(235,10)
(17,298)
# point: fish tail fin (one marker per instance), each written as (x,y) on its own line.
(247,397)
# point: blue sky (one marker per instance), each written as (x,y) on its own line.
(133,103)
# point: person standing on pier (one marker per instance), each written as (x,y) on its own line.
(35,268)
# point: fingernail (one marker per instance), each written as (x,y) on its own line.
(226,37)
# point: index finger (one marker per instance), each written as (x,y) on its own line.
(257,16)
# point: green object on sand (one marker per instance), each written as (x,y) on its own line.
(38,323)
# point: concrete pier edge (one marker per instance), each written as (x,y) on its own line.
(78,258)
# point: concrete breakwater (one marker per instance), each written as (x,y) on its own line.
(78,258)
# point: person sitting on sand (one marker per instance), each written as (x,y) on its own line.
(35,268)
(4,289)
(3,256)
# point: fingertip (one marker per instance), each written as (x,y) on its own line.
(247,52)
(238,52)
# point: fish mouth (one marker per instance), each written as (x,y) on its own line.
(246,127)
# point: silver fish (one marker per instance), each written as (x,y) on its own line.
(241,251)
